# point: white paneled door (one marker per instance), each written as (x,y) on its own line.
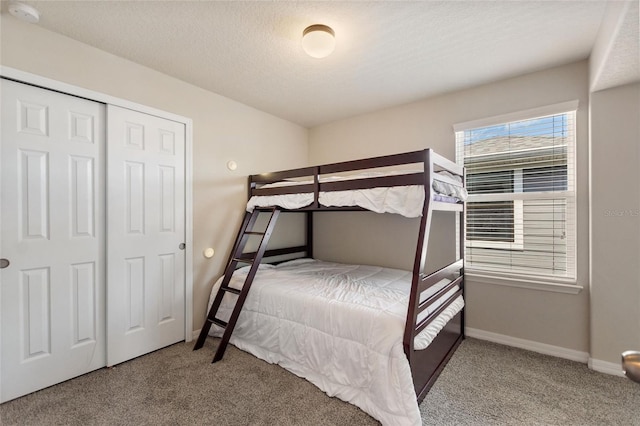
(146,231)
(52,286)
(92,221)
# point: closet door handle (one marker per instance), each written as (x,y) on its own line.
(4,263)
(182,246)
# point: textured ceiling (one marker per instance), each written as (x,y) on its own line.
(387,53)
(622,64)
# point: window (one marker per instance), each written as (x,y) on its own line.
(494,224)
(520,214)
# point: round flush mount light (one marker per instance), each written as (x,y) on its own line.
(318,41)
(24,12)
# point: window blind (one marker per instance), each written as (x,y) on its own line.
(521,211)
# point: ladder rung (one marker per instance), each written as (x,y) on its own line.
(218,322)
(231,290)
(254,233)
(244,259)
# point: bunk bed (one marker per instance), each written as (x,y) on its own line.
(375,337)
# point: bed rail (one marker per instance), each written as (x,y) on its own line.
(317,179)
(450,273)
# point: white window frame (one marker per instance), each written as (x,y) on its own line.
(538,282)
(518,219)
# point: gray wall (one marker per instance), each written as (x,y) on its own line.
(615,222)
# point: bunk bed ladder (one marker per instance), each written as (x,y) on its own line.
(238,256)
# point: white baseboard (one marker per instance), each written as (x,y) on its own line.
(600,366)
(529,345)
(195,333)
(606,367)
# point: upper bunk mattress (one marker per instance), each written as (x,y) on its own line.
(407,200)
(340,327)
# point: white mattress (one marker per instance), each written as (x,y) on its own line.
(404,200)
(339,326)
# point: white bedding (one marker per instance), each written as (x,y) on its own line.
(339,326)
(404,200)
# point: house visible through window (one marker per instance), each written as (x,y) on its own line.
(491,221)
(520,215)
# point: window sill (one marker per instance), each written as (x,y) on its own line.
(566,287)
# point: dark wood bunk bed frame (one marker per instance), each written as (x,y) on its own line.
(426,364)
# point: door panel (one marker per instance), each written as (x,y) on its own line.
(52,223)
(146,223)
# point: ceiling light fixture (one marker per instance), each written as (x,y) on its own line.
(318,41)
(24,12)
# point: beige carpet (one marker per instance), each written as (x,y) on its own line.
(490,384)
(484,383)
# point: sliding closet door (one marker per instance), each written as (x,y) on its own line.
(146,233)
(52,245)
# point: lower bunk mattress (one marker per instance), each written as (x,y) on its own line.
(338,326)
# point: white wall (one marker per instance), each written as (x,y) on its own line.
(615,222)
(222,130)
(550,318)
